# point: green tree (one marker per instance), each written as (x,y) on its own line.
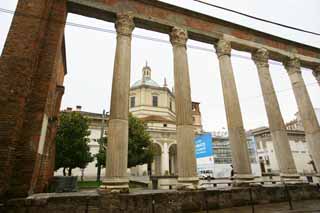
(139,145)
(101,155)
(72,140)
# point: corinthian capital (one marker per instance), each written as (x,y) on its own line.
(223,47)
(178,36)
(292,65)
(260,57)
(124,24)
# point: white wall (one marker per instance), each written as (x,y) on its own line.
(300,155)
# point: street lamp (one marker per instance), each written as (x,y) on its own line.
(103,117)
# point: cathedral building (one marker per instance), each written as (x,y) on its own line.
(155,105)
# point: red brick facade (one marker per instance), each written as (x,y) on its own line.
(30,67)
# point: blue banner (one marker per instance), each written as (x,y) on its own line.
(203,144)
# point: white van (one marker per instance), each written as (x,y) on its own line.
(205,174)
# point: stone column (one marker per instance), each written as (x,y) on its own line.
(116,179)
(165,159)
(306,110)
(276,123)
(316,73)
(157,165)
(237,136)
(187,173)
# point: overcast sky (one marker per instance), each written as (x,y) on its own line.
(90,56)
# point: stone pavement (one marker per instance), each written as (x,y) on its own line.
(298,206)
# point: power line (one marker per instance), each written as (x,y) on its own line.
(249,98)
(257,18)
(104,30)
(99,29)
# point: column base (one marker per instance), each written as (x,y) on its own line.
(115,185)
(187,183)
(242,180)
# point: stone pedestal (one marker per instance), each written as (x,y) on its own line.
(276,124)
(306,110)
(237,137)
(116,179)
(187,173)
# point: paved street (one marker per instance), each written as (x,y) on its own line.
(298,206)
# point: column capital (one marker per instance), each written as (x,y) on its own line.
(261,57)
(223,47)
(292,65)
(124,24)
(178,36)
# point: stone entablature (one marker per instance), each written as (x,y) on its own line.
(157,16)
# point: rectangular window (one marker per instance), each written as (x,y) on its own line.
(132,101)
(170,105)
(155,101)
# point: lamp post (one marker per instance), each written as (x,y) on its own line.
(103,116)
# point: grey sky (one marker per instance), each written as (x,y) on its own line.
(90,56)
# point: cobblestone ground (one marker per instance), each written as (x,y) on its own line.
(298,206)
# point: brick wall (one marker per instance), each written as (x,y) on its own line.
(56,91)
(28,64)
(165,201)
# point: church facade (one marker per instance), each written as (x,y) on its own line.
(155,106)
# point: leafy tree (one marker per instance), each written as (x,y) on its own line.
(139,145)
(101,155)
(72,140)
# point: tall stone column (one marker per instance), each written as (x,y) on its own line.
(187,173)
(316,73)
(306,110)
(237,136)
(116,179)
(276,123)
(165,159)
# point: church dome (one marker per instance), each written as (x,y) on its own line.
(148,82)
(146,78)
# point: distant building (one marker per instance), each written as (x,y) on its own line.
(223,158)
(299,147)
(155,105)
(95,128)
(297,123)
